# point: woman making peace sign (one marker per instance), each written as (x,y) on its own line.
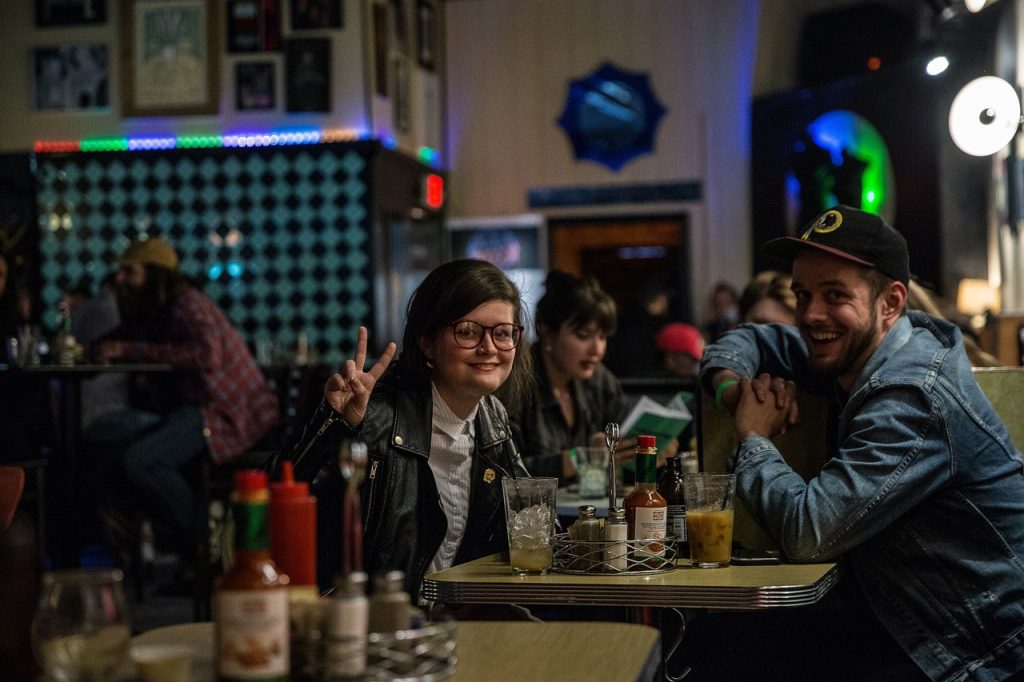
(438,440)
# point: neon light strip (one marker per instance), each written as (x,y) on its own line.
(427,155)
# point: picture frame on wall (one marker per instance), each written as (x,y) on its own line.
(426,33)
(253,25)
(401,102)
(70,12)
(68,77)
(254,86)
(399,27)
(315,14)
(307,75)
(170,63)
(381,29)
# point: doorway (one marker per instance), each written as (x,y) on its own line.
(627,255)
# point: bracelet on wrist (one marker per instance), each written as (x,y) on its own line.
(720,391)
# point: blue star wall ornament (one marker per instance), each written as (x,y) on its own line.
(611,115)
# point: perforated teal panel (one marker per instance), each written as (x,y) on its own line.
(279,237)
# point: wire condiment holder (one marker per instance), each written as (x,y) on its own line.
(645,556)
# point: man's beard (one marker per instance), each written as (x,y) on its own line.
(138,305)
(861,339)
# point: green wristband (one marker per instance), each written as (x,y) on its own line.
(719,390)
(572,459)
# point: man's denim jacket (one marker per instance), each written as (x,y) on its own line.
(924,494)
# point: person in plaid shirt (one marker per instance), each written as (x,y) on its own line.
(222,407)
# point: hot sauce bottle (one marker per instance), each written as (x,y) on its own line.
(646,510)
(251,600)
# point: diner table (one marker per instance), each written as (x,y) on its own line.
(489,580)
(568,501)
(491,650)
(63,525)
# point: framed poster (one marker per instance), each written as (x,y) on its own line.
(401,101)
(254,86)
(307,74)
(71,77)
(310,14)
(253,25)
(426,33)
(170,62)
(381,27)
(70,12)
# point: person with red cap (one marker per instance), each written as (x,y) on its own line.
(682,347)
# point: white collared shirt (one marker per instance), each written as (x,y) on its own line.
(452,442)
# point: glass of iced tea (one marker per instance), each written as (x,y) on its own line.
(530,518)
(709,518)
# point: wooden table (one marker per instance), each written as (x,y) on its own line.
(66,383)
(489,580)
(491,650)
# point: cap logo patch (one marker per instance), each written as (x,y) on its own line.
(827,222)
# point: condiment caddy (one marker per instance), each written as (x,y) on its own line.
(633,539)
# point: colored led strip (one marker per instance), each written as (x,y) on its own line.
(426,155)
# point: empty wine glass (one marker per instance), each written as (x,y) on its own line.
(80,632)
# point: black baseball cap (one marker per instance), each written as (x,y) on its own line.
(852,234)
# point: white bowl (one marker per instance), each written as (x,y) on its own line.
(163,662)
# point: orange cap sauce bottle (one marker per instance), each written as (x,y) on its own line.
(251,600)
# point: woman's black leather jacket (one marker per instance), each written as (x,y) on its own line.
(403,521)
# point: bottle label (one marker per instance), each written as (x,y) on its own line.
(252,525)
(650,523)
(346,642)
(646,466)
(615,551)
(252,634)
(676,524)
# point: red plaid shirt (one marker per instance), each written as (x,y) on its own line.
(237,404)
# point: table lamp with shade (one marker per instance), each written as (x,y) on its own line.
(976,298)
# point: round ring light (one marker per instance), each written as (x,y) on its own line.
(984,116)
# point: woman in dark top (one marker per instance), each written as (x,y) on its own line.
(437,438)
(574,394)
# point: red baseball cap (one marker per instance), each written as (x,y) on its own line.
(682,338)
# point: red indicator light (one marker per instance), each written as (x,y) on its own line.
(433,191)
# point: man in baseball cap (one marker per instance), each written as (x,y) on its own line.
(218,406)
(682,347)
(923,495)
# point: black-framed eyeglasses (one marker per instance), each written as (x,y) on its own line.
(469,334)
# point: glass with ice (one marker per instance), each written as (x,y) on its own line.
(80,631)
(530,518)
(592,468)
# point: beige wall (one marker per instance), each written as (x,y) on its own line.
(509,64)
(351,103)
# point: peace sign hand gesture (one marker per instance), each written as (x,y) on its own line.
(348,391)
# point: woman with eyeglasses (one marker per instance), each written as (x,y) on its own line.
(574,394)
(438,441)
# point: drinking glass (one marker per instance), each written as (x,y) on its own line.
(530,516)
(592,469)
(709,518)
(80,632)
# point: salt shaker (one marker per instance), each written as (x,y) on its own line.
(389,603)
(615,533)
(346,628)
